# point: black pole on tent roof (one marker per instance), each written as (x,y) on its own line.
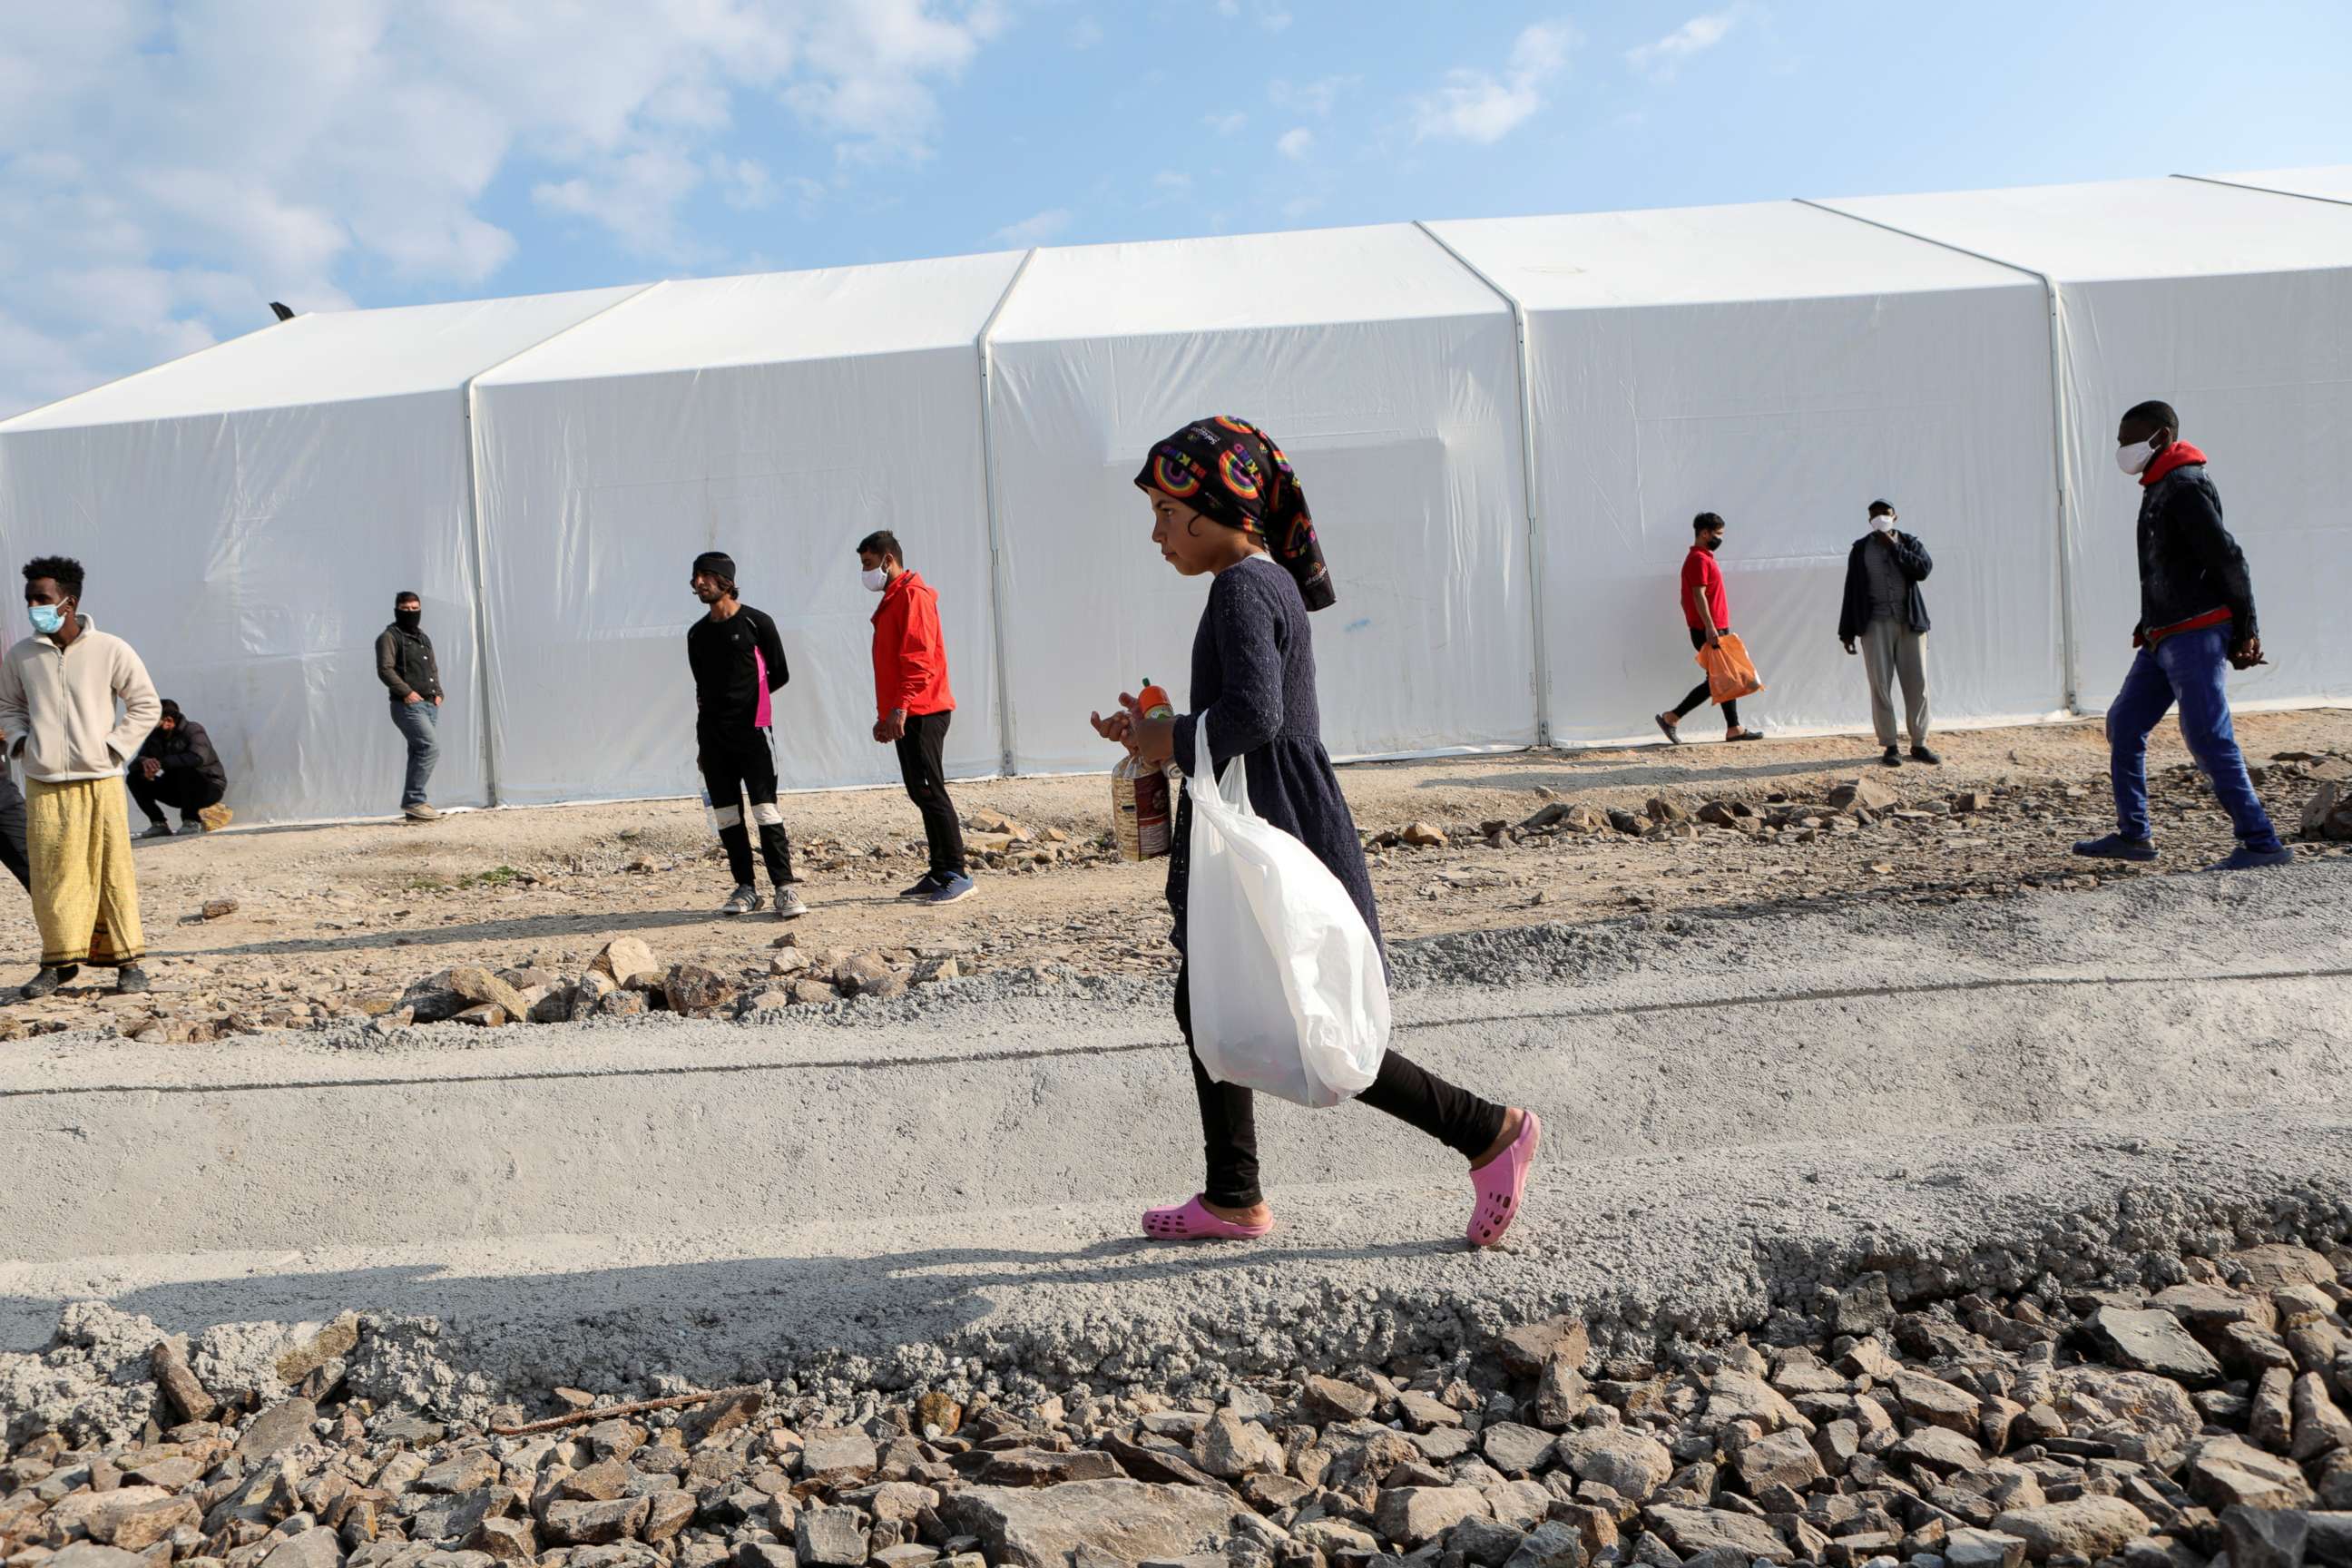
(280,311)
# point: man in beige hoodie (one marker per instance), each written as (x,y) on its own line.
(58,688)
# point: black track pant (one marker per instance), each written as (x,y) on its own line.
(736,765)
(920,753)
(186,788)
(1702,693)
(12,832)
(1454,1117)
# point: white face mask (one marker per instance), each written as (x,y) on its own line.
(2133,458)
(1884,522)
(875,580)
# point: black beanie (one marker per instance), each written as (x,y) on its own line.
(718,562)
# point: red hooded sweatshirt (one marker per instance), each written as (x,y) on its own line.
(910,656)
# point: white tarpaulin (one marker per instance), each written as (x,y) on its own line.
(2235,307)
(2327,182)
(1387,374)
(1782,367)
(247,514)
(779,418)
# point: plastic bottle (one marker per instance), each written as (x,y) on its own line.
(1142,820)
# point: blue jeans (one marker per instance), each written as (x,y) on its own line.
(419,725)
(2188,668)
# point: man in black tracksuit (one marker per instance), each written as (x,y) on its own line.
(176,766)
(738,661)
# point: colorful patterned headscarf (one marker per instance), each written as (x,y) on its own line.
(1231,471)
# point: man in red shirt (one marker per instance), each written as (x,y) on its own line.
(1707,611)
(914,705)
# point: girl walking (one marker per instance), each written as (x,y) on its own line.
(1225,502)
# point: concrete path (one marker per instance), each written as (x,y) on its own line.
(1737,1109)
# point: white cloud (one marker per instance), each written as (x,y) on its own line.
(1038,228)
(1695,36)
(1484,107)
(1296,144)
(1226,124)
(1311,98)
(202,157)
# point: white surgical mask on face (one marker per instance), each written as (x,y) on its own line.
(1884,522)
(875,579)
(2133,456)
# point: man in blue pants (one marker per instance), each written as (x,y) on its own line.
(2196,618)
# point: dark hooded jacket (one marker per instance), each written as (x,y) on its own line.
(186,747)
(2188,564)
(1911,559)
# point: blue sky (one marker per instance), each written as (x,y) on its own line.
(166,169)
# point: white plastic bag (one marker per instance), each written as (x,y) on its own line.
(1289,994)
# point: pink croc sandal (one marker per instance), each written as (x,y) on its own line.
(1501,1181)
(1193,1221)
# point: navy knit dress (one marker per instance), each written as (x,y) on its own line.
(1254,682)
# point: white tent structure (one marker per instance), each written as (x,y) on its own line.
(1390,378)
(247,514)
(1503,428)
(780,418)
(2233,305)
(1782,367)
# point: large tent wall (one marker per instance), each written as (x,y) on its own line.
(2235,306)
(1783,367)
(1390,375)
(779,418)
(245,515)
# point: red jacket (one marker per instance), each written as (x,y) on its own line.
(910,656)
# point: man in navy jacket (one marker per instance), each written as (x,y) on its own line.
(1884,619)
(2196,622)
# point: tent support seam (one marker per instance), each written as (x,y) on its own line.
(480,552)
(1539,640)
(2062,471)
(984,345)
(2266,190)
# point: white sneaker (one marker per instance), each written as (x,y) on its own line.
(788,905)
(741,901)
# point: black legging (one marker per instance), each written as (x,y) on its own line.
(736,762)
(1702,692)
(923,768)
(1454,1117)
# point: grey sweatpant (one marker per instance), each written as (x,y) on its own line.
(1892,651)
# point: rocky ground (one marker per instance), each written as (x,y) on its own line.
(2190,1413)
(558,914)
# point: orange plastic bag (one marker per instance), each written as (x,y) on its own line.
(1731,673)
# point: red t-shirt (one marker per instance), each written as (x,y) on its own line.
(1699,569)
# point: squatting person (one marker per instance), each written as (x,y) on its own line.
(176,766)
(2196,619)
(913,707)
(1223,495)
(405,663)
(1706,612)
(1884,619)
(738,661)
(58,688)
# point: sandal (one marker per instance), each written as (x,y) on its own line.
(1672,733)
(1746,734)
(1192,1222)
(1501,1181)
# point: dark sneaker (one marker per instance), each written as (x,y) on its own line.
(2115,846)
(1892,758)
(2245,859)
(46,981)
(788,904)
(1922,754)
(132,981)
(190,828)
(924,889)
(953,889)
(741,901)
(158,830)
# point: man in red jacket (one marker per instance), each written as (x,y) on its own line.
(914,706)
